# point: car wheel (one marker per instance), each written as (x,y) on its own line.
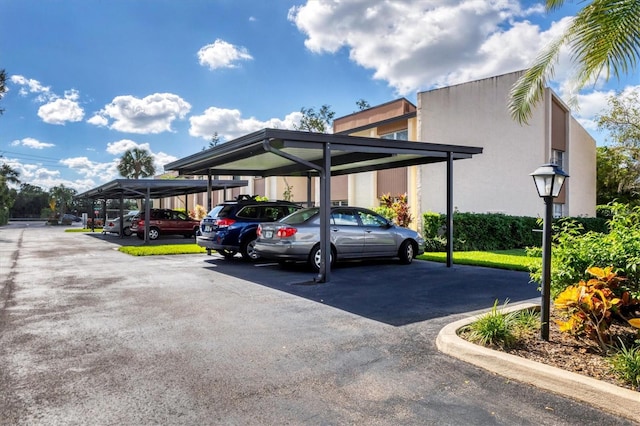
(248,250)
(127,231)
(227,254)
(140,235)
(154,233)
(316,255)
(406,252)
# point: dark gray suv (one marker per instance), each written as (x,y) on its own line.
(230,227)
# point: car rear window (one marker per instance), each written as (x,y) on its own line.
(221,210)
(300,216)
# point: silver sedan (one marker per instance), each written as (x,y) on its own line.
(356,233)
(113,225)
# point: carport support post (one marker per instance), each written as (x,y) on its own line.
(209,189)
(147,214)
(324,274)
(121,212)
(449,209)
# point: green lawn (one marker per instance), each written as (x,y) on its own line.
(163,249)
(516,259)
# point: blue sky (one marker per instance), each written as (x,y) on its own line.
(89,79)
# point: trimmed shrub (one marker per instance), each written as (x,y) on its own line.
(494,231)
(575,251)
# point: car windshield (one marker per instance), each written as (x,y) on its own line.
(300,216)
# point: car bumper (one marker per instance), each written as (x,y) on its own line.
(214,244)
(283,250)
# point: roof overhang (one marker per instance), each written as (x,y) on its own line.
(276,152)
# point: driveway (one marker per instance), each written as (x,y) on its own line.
(89,335)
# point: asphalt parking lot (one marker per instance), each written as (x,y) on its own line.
(89,335)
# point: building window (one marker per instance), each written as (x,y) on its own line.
(339,203)
(558,158)
(558,210)
(400,135)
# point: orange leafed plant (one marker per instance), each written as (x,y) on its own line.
(588,307)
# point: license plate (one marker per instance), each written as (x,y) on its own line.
(268,234)
(207,228)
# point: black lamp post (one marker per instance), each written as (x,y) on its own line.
(548,179)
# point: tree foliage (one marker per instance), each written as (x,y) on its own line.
(30,201)
(316,121)
(3,86)
(8,175)
(618,174)
(362,104)
(603,39)
(618,165)
(622,119)
(63,197)
(136,163)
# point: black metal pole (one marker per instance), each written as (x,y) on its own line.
(546,268)
(449,209)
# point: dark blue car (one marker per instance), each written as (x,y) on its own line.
(230,227)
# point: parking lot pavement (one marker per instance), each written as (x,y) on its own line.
(93,336)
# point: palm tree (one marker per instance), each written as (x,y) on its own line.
(136,163)
(603,38)
(8,174)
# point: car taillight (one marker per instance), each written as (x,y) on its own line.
(286,231)
(111,224)
(223,223)
(259,231)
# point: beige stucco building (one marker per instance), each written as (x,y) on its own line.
(476,113)
(470,114)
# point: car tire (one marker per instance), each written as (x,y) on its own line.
(407,252)
(227,254)
(248,251)
(154,233)
(127,231)
(315,255)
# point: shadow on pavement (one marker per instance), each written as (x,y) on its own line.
(133,240)
(388,292)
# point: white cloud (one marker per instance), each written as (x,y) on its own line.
(120,147)
(104,172)
(32,143)
(31,86)
(152,114)
(422,44)
(98,120)
(60,111)
(221,54)
(230,124)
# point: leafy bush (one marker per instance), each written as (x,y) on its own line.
(484,232)
(4,215)
(500,329)
(384,211)
(589,306)
(626,364)
(494,328)
(399,207)
(575,250)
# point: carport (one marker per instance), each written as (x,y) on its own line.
(148,189)
(276,152)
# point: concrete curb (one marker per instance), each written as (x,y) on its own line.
(605,396)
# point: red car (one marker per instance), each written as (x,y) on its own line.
(165,222)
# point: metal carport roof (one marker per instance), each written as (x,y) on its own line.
(155,188)
(276,152)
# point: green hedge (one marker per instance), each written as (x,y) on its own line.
(493,231)
(4,215)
